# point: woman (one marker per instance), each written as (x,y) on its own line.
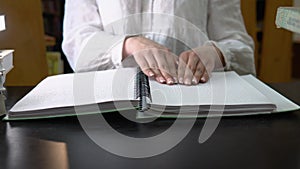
(173,41)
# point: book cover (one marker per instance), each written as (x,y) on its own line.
(288,18)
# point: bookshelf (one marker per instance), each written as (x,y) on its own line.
(53,12)
(273,54)
(52,20)
(289,18)
(24,34)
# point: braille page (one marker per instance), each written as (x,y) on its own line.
(224,88)
(79,89)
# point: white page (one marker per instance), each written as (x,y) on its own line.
(224,88)
(2,23)
(93,87)
(283,104)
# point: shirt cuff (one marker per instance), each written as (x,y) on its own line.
(117,51)
(225,52)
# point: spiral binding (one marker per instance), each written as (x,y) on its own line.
(142,90)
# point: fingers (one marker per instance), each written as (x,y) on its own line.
(189,68)
(158,63)
(183,59)
(166,65)
(148,65)
(172,62)
(155,68)
(141,61)
(154,59)
(194,68)
(205,77)
(200,70)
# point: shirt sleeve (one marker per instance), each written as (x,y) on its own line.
(86,45)
(226,31)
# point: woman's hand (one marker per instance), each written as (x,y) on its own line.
(154,59)
(196,65)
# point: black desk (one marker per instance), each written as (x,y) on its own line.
(253,142)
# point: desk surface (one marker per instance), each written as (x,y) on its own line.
(252,142)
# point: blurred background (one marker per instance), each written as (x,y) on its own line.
(34,31)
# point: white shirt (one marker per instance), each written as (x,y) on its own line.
(94,30)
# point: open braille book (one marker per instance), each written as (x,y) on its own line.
(225,94)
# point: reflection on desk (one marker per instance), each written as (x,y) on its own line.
(51,154)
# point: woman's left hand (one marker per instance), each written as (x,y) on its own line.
(196,65)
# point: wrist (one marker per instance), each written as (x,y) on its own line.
(221,57)
(220,60)
(127,47)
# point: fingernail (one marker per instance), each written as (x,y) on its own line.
(162,80)
(194,81)
(170,81)
(151,74)
(203,79)
(181,80)
(187,82)
(175,79)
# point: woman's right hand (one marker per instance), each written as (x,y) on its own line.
(154,59)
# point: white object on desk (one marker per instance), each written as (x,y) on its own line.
(2,23)
(6,64)
(6,60)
